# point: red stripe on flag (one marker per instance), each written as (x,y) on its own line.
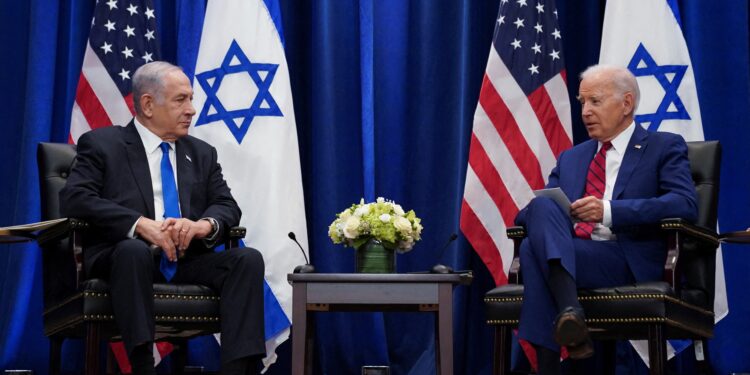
(553,129)
(129,102)
(480,239)
(121,356)
(90,105)
(511,135)
(491,181)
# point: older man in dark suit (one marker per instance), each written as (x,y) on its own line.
(622,182)
(125,185)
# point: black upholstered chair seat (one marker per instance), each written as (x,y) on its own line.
(635,306)
(182,304)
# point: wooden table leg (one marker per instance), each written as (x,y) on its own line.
(299,327)
(444,349)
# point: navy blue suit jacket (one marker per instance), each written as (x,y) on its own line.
(653,183)
(110,187)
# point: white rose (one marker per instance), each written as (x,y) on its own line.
(345,215)
(351,227)
(385,218)
(398,210)
(362,210)
(380,200)
(402,224)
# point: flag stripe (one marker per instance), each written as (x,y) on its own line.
(541,102)
(508,129)
(90,106)
(557,90)
(477,234)
(497,151)
(490,179)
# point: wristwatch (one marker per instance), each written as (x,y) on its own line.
(214,228)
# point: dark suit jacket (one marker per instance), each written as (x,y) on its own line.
(653,183)
(110,187)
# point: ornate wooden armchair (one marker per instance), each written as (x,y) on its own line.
(678,307)
(77,306)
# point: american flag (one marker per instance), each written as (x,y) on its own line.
(522,123)
(122,38)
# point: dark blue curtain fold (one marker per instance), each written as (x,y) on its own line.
(385,92)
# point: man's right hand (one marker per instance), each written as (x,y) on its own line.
(150,230)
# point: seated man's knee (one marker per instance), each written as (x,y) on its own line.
(132,251)
(249,259)
(542,207)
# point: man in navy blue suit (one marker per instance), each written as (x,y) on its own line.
(124,185)
(622,182)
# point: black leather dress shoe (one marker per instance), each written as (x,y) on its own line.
(572,333)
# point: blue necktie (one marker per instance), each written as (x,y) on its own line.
(171,204)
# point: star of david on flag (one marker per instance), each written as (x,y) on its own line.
(669,77)
(237,120)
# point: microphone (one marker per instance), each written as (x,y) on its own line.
(441,268)
(302,268)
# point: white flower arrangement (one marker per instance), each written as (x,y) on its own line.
(382,220)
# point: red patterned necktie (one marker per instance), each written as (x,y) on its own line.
(595,183)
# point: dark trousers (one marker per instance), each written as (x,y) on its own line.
(236,274)
(590,263)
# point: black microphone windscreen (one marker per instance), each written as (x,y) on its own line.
(292,236)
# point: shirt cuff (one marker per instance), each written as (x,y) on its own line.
(607,216)
(131,232)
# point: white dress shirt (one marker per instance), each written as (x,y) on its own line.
(154,154)
(615,154)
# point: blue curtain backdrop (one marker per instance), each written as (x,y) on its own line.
(384,93)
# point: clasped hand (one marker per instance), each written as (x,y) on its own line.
(172,235)
(588,209)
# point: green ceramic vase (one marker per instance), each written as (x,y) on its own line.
(373,257)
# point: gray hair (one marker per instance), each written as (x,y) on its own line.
(621,78)
(149,79)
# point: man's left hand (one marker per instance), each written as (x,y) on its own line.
(588,209)
(184,230)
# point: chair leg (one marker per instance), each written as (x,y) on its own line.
(501,355)
(92,343)
(179,356)
(55,355)
(657,350)
(701,357)
(609,356)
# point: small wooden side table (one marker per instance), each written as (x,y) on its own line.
(358,292)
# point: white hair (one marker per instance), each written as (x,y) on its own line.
(149,79)
(621,78)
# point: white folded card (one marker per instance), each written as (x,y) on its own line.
(557,195)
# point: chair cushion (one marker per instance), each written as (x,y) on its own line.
(174,305)
(635,305)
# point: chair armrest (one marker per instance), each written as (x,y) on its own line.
(517,234)
(696,232)
(677,231)
(73,230)
(236,234)
(60,231)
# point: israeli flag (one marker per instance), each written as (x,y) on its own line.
(646,36)
(244,108)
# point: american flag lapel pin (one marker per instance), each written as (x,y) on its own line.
(637,147)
